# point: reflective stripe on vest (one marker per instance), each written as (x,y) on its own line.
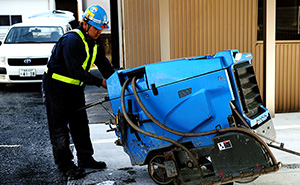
(95,49)
(84,65)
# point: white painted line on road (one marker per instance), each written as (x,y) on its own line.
(286,127)
(10,146)
(106,183)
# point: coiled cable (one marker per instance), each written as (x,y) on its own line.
(220,131)
(149,133)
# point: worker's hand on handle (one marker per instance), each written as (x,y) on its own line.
(104,83)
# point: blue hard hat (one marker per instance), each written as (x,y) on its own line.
(96,16)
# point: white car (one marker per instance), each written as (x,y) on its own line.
(26,48)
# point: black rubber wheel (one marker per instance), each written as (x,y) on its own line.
(157,170)
(2,86)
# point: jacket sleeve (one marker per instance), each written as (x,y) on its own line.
(74,54)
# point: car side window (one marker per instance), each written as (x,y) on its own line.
(69,27)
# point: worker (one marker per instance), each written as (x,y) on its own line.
(67,73)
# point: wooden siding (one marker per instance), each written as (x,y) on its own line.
(141,32)
(258,64)
(200,27)
(287,76)
(197,27)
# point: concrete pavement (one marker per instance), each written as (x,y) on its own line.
(120,171)
(287,126)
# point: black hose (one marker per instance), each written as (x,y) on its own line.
(151,134)
(220,131)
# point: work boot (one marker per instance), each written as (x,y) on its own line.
(91,163)
(73,172)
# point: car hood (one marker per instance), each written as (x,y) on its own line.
(26,50)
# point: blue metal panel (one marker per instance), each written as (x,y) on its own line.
(169,72)
(189,95)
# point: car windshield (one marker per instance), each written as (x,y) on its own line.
(34,34)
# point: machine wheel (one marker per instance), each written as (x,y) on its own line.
(157,171)
(247,180)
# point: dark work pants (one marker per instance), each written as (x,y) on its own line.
(62,102)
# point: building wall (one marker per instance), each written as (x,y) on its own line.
(287,80)
(197,27)
(24,8)
(200,27)
(141,32)
(21,7)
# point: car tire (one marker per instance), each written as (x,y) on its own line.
(2,86)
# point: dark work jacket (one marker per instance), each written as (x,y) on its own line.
(69,54)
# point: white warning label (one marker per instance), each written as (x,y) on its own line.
(224,145)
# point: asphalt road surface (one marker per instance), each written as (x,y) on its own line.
(25,150)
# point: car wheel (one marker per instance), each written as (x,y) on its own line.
(2,86)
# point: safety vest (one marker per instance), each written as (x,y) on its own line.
(84,65)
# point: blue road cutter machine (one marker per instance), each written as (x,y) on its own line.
(197,120)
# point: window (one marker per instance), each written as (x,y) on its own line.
(287,20)
(4,20)
(34,34)
(8,20)
(16,19)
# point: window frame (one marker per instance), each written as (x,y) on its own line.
(287,25)
(10,19)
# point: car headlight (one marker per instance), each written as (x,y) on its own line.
(2,60)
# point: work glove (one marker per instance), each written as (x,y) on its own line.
(104,83)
